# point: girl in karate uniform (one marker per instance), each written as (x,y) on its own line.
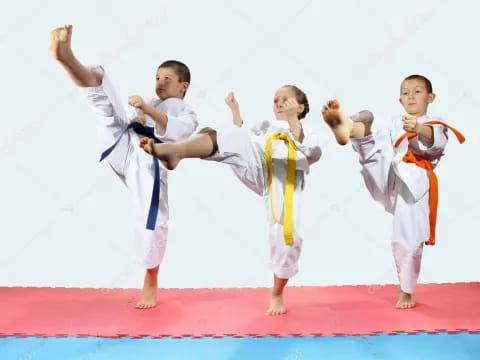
(271,159)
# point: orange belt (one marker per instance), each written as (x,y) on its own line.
(410,157)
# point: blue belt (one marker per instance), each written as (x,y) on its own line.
(146,131)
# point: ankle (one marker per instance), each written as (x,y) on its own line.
(276,294)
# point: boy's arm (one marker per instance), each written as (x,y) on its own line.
(424,132)
(235,107)
(160,118)
(432,139)
(425,135)
(176,122)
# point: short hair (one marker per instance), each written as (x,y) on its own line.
(182,70)
(428,83)
(301,98)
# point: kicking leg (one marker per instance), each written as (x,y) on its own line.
(343,127)
(200,145)
(61,50)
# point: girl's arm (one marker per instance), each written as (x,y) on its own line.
(235,107)
(290,108)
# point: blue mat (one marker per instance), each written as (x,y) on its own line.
(459,346)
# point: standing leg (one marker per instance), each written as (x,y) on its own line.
(410,230)
(283,258)
(149,292)
(150,244)
(277,306)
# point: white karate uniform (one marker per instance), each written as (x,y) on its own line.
(243,150)
(402,188)
(133,165)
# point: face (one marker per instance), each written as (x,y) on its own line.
(414,97)
(282,95)
(168,85)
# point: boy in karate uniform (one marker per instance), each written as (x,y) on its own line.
(397,162)
(172,120)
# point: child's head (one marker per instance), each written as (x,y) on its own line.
(173,80)
(415,94)
(287,92)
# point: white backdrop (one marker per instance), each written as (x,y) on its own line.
(65,218)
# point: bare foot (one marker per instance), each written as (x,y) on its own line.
(167,153)
(276,306)
(60,47)
(405,300)
(149,292)
(338,122)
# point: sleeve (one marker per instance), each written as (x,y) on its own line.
(132,113)
(440,140)
(182,120)
(310,146)
(260,128)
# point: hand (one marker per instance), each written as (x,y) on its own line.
(140,119)
(290,108)
(232,102)
(410,123)
(136,101)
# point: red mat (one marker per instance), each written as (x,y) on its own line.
(333,310)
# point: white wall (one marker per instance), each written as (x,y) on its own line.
(65,218)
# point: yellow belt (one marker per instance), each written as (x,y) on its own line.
(289,183)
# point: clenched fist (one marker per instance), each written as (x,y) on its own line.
(136,101)
(232,102)
(410,123)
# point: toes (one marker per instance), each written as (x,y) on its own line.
(274,312)
(143,142)
(405,305)
(145,305)
(331,104)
